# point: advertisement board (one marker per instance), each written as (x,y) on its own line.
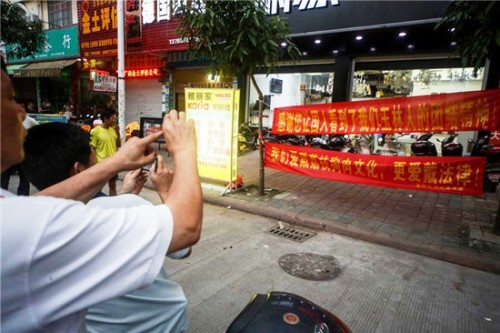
(105,83)
(215,112)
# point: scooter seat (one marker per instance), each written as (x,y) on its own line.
(278,312)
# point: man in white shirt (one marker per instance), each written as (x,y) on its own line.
(60,257)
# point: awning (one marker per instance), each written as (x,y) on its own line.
(44,69)
(12,68)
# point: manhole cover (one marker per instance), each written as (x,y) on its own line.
(310,266)
(294,234)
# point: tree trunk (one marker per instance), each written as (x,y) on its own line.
(261,146)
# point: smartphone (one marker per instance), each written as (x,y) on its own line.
(148,167)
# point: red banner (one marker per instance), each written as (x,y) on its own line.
(469,111)
(458,175)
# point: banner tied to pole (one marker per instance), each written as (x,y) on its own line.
(469,111)
(457,175)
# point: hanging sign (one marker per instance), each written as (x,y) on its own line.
(105,83)
(458,175)
(469,111)
(215,112)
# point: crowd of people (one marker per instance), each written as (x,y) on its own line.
(75,260)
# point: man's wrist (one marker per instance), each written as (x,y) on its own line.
(112,166)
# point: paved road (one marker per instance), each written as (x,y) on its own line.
(379,289)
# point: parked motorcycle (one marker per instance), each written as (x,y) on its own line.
(248,137)
(332,142)
(492,170)
(278,312)
(451,148)
(423,147)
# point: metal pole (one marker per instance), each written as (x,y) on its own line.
(121,70)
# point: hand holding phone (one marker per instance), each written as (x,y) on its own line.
(154,165)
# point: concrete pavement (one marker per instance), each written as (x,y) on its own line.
(379,289)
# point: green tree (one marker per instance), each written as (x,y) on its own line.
(474,26)
(238,39)
(24,38)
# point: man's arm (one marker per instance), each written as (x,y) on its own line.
(184,198)
(83,186)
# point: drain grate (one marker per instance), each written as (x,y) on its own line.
(293,234)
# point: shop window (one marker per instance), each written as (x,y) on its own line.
(416,82)
(368,84)
(59,14)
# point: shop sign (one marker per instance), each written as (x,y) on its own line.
(105,83)
(60,43)
(98,23)
(469,111)
(215,112)
(457,175)
(165,9)
(273,6)
(148,72)
(48,118)
(94,72)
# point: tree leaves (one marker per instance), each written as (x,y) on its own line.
(25,38)
(474,26)
(252,39)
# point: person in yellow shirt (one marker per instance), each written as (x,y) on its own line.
(105,141)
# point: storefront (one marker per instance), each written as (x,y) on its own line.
(49,75)
(355,50)
(144,86)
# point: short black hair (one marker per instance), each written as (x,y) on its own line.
(106,114)
(51,149)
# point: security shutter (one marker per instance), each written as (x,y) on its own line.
(142,98)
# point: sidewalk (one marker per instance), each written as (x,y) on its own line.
(427,223)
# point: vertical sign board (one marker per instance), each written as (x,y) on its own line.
(215,112)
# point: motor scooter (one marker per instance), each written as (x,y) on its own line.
(281,312)
(423,147)
(340,143)
(248,137)
(481,147)
(451,148)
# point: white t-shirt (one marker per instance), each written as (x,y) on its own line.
(60,256)
(158,308)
